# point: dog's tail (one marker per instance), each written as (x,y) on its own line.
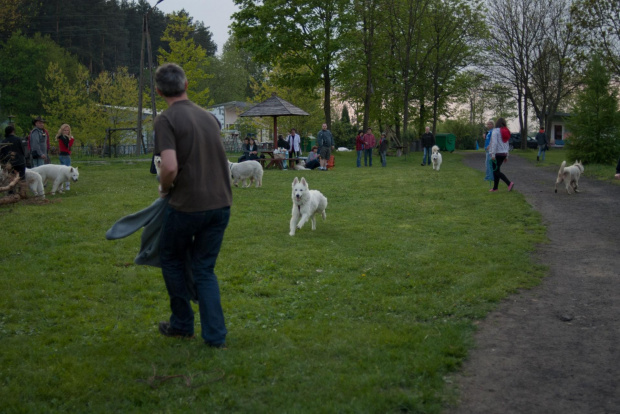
(561,172)
(435,148)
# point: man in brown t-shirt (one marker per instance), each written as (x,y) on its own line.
(195,177)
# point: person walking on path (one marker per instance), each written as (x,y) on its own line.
(498,151)
(195,178)
(39,142)
(325,142)
(541,139)
(428,140)
(488,176)
(65,142)
(383,147)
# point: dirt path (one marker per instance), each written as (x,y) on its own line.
(555,348)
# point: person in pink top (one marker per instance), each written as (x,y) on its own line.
(369,145)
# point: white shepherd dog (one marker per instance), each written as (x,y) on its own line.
(570,176)
(247,172)
(35,182)
(58,174)
(306,203)
(436,158)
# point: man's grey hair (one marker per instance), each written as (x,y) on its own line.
(170,80)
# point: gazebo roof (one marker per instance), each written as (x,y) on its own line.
(275,106)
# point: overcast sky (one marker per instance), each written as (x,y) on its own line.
(215,14)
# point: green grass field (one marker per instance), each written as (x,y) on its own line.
(368,314)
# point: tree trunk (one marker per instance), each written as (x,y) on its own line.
(327,108)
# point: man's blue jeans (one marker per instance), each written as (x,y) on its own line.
(541,150)
(37,162)
(368,157)
(383,158)
(196,237)
(359,158)
(426,158)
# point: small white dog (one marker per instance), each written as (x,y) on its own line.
(247,172)
(306,203)
(300,166)
(35,182)
(570,176)
(436,158)
(58,174)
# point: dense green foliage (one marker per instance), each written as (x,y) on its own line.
(368,313)
(103,34)
(595,118)
(24,64)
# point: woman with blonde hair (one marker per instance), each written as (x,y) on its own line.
(65,142)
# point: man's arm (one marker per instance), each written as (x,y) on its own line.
(168,171)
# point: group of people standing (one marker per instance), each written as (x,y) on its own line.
(39,145)
(365,143)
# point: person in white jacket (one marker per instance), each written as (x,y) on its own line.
(498,152)
(294,142)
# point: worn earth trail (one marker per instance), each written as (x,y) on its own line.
(554,348)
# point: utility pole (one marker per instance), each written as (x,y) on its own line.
(146,44)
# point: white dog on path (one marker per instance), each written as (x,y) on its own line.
(58,174)
(306,203)
(570,176)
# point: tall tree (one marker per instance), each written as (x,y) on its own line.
(408,46)
(595,119)
(515,28)
(117,95)
(68,101)
(600,24)
(183,50)
(24,65)
(293,34)
(554,69)
(455,29)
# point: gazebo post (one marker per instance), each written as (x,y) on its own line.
(275,132)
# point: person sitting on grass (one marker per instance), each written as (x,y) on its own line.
(313,160)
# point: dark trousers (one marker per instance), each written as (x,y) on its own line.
(497,174)
(200,235)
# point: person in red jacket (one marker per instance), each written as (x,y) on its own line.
(65,142)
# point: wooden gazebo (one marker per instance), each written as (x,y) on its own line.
(274,107)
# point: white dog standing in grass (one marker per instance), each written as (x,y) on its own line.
(570,176)
(58,174)
(436,158)
(35,182)
(306,204)
(247,172)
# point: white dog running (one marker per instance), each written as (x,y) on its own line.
(58,174)
(570,176)
(436,158)
(306,203)
(35,182)
(246,172)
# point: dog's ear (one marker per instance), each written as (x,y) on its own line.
(295,181)
(304,182)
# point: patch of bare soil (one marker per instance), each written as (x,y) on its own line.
(554,348)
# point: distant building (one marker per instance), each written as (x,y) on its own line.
(228,112)
(559,131)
